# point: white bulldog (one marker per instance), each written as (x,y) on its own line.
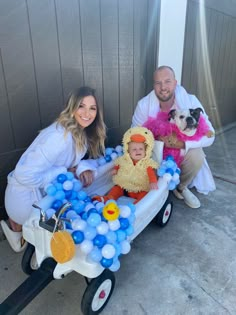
(186,120)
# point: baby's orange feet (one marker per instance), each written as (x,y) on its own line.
(101,198)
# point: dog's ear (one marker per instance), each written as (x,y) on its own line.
(171,114)
(196,112)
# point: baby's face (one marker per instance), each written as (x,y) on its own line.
(136,150)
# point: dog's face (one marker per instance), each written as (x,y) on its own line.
(186,120)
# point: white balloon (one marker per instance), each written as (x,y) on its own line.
(67,185)
(102,228)
(125,211)
(114,225)
(86,246)
(79,225)
(108,251)
(167,177)
(125,247)
(75,222)
(175,177)
(115,266)
(114,156)
(71,214)
(89,206)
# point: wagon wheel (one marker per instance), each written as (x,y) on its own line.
(98,293)
(164,214)
(29,262)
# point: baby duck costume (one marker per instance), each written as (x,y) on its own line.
(133,177)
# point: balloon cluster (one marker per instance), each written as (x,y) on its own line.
(110,155)
(170,172)
(100,230)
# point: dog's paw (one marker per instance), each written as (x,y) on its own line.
(210,134)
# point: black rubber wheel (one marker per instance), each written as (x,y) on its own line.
(29,263)
(98,293)
(164,214)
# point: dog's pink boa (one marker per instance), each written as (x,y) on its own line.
(160,126)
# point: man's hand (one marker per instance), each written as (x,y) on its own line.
(86,178)
(172,141)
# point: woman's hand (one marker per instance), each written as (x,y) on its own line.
(86,178)
(73,170)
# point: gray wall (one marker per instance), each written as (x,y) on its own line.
(48,47)
(215,82)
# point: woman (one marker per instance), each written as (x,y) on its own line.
(58,148)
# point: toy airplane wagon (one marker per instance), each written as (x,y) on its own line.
(86,237)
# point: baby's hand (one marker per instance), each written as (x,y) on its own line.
(153,186)
(114,171)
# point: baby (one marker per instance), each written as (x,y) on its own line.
(134,173)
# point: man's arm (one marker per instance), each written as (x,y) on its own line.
(140,114)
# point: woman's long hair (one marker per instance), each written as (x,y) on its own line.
(92,136)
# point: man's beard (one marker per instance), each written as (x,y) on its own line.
(165,98)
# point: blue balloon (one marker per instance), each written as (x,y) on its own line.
(77,185)
(130,230)
(178,171)
(131,218)
(69,175)
(121,235)
(169,157)
(84,215)
(170,171)
(78,237)
(115,266)
(58,186)
(161,171)
(60,194)
(57,204)
(132,207)
(170,164)
(111,237)
(124,223)
(51,190)
(106,263)
(68,193)
(79,206)
(99,240)
(108,158)
(172,185)
(101,161)
(88,199)
(68,226)
(95,254)
(108,151)
(94,219)
(90,233)
(61,178)
(118,250)
(73,195)
(81,195)
(92,210)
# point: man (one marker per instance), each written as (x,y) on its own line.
(165,96)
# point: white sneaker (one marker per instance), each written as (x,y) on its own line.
(14,238)
(190,199)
